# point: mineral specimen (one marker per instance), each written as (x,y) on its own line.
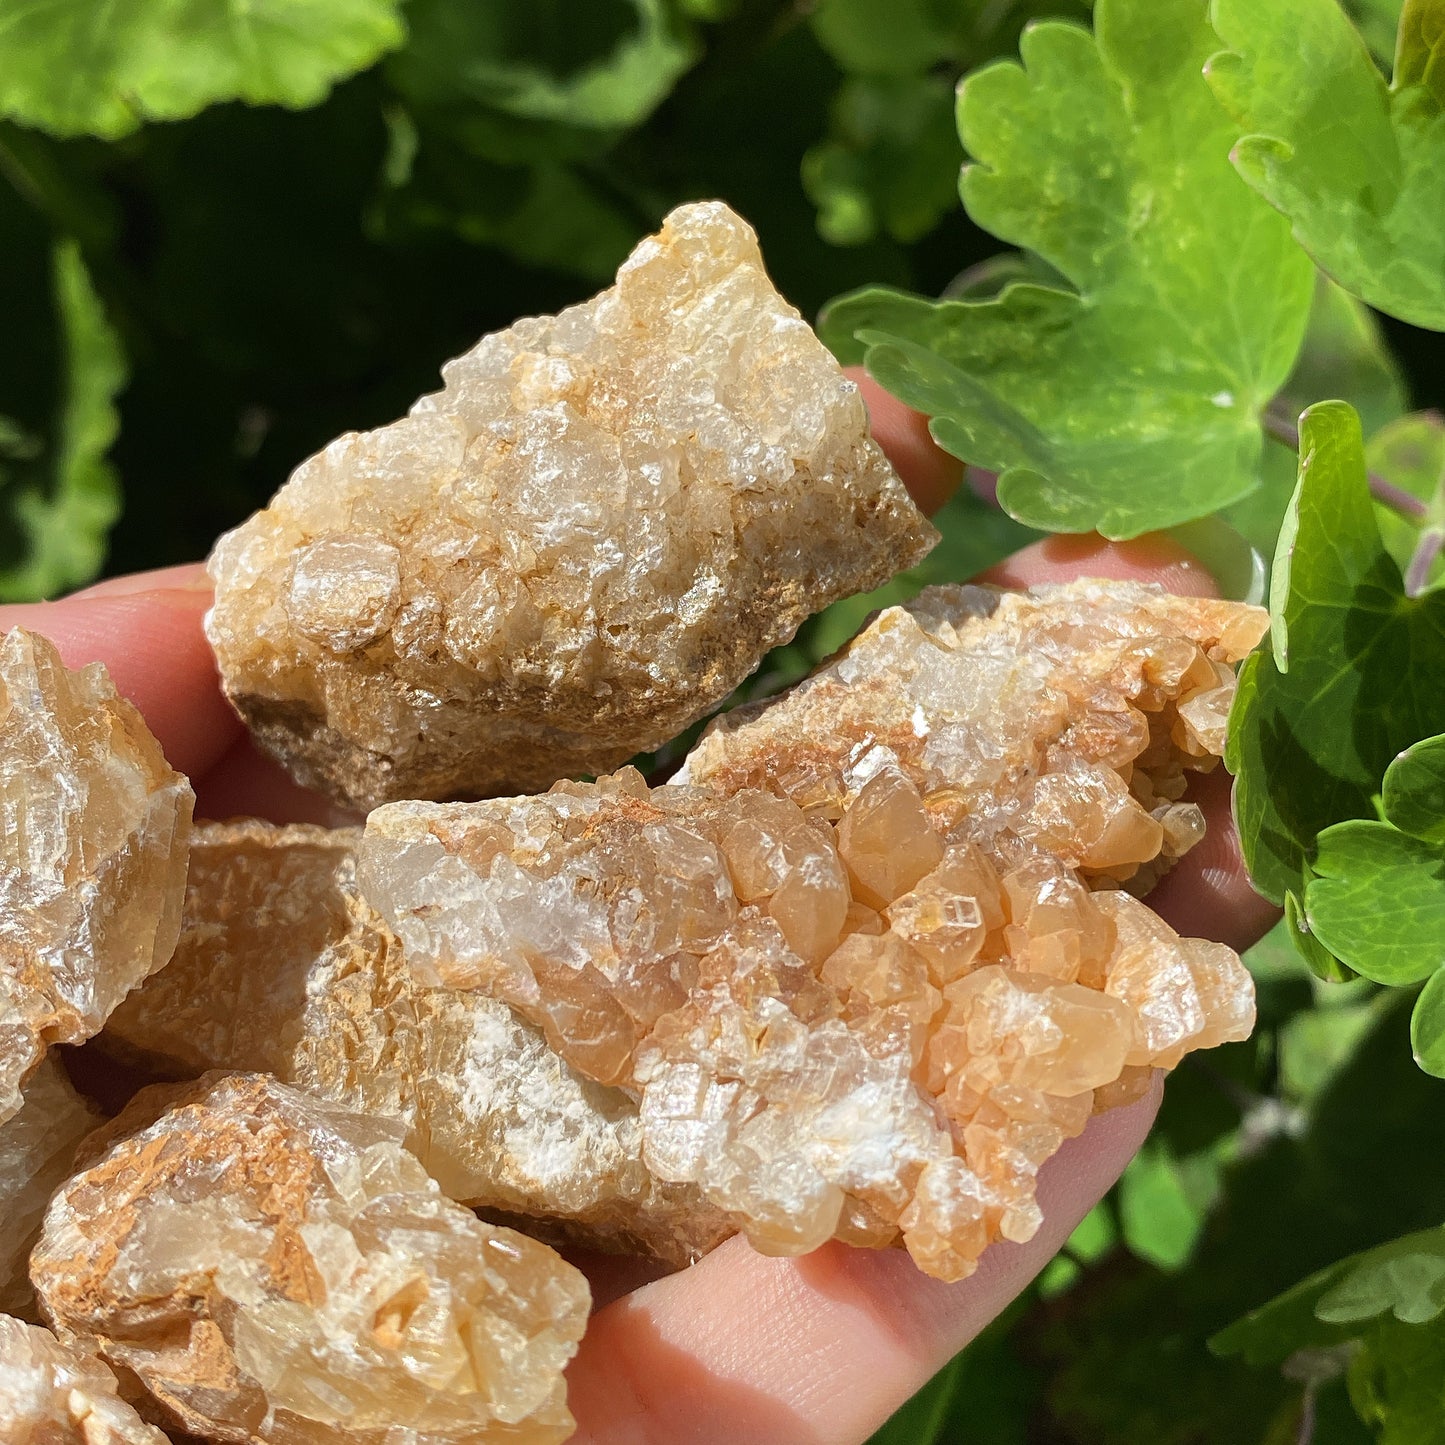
(283,968)
(578,547)
(37,1147)
(867,982)
(274,1270)
(93,836)
(52,1395)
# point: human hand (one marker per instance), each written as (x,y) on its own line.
(740,1348)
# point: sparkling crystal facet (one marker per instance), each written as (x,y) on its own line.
(579,546)
(869,978)
(275,1270)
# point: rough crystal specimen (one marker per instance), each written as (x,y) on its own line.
(37,1148)
(274,1269)
(283,968)
(862,989)
(53,1395)
(579,546)
(94,828)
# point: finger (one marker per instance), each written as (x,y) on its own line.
(746,1350)
(1207,894)
(147,631)
(1150,558)
(244,783)
(930,473)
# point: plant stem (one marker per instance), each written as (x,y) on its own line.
(1387,493)
(1427,549)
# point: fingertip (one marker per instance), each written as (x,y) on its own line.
(1207,894)
(931,474)
(1153,557)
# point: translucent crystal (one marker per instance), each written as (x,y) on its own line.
(94,828)
(51,1394)
(283,968)
(576,548)
(274,1270)
(954,981)
(37,1147)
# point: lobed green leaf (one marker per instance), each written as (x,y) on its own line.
(1126,396)
(1357,670)
(1357,165)
(1413,794)
(70,70)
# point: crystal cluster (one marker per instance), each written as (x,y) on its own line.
(274,1270)
(37,1150)
(53,1395)
(94,829)
(869,978)
(580,545)
(283,968)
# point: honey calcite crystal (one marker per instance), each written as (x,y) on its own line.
(53,1395)
(37,1149)
(579,546)
(94,827)
(283,968)
(277,1271)
(866,982)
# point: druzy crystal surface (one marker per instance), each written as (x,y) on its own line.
(283,968)
(870,978)
(94,829)
(53,1395)
(576,548)
(274,1269)
(37,1149)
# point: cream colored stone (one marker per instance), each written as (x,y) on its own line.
(975,772)
(278,1271)
(283,968)
(94,828)
(53,1395)
(578,547)
(37,1147)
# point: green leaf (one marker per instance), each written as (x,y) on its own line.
(1405,1278)
(604,66)
(1345,357)
(1379,901)
(1321,962)
(1129,398)
(1427,1026)
(1410,454)
(1397,1382)
(1356,165)
(1414,790)
(72,71)
(890,161)
(1378,21)
(63,515)
(1357,671)
(1161,1211)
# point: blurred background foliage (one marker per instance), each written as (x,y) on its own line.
(226,238)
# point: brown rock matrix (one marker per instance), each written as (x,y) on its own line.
(274,1269)
(94,828)
(863,988)
(37,1150)
(586,540)
(283,968)
(53,1395)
